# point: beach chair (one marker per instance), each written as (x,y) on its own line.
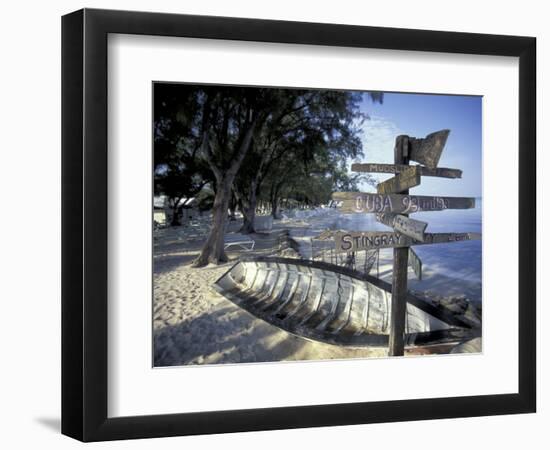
(263,224)
(246,243)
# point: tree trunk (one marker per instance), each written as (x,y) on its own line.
(249,211)
(213,251)
(175,220)
(232,208)
(274,208)
(274,199)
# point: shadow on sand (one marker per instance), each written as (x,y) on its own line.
(223,336)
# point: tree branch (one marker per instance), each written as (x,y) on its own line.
(207,151)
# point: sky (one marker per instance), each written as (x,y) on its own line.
(418,115)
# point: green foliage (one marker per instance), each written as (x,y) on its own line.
(299,150)
(179,172)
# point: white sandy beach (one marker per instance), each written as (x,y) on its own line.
(192,324)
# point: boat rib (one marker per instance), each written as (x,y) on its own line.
(333,304)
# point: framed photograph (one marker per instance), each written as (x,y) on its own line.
(273,224)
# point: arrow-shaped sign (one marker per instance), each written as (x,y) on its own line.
(357,202)
(441,172)
(404,225)
(369,240)
(428,150)
(407,178)
(416,263)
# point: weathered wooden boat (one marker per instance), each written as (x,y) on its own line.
(324,302)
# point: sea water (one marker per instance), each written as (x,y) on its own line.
(456,259)
(451,268)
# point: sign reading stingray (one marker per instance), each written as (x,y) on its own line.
(360,202)
(370,240)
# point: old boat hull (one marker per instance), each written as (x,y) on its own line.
(329,303)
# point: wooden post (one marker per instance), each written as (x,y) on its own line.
(399,277)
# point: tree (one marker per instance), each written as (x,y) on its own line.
(230,118)
(312,124)
(268,146)
(179,172)
(180,185)
(232,139)
(317,167)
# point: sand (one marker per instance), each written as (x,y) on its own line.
(194,325)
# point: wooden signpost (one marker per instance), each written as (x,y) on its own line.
(405,179)
(357,202)
(404,225)
(353,241)
(396,345)
(392,204)
(440,172)
(427,151)
(416,263)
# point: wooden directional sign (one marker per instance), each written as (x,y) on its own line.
(428,150)
(404,225)
(369,240)
(441,172)
(357,202)
(405,179)
(416,263)
(392,204)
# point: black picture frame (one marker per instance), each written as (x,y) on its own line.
(84,224)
